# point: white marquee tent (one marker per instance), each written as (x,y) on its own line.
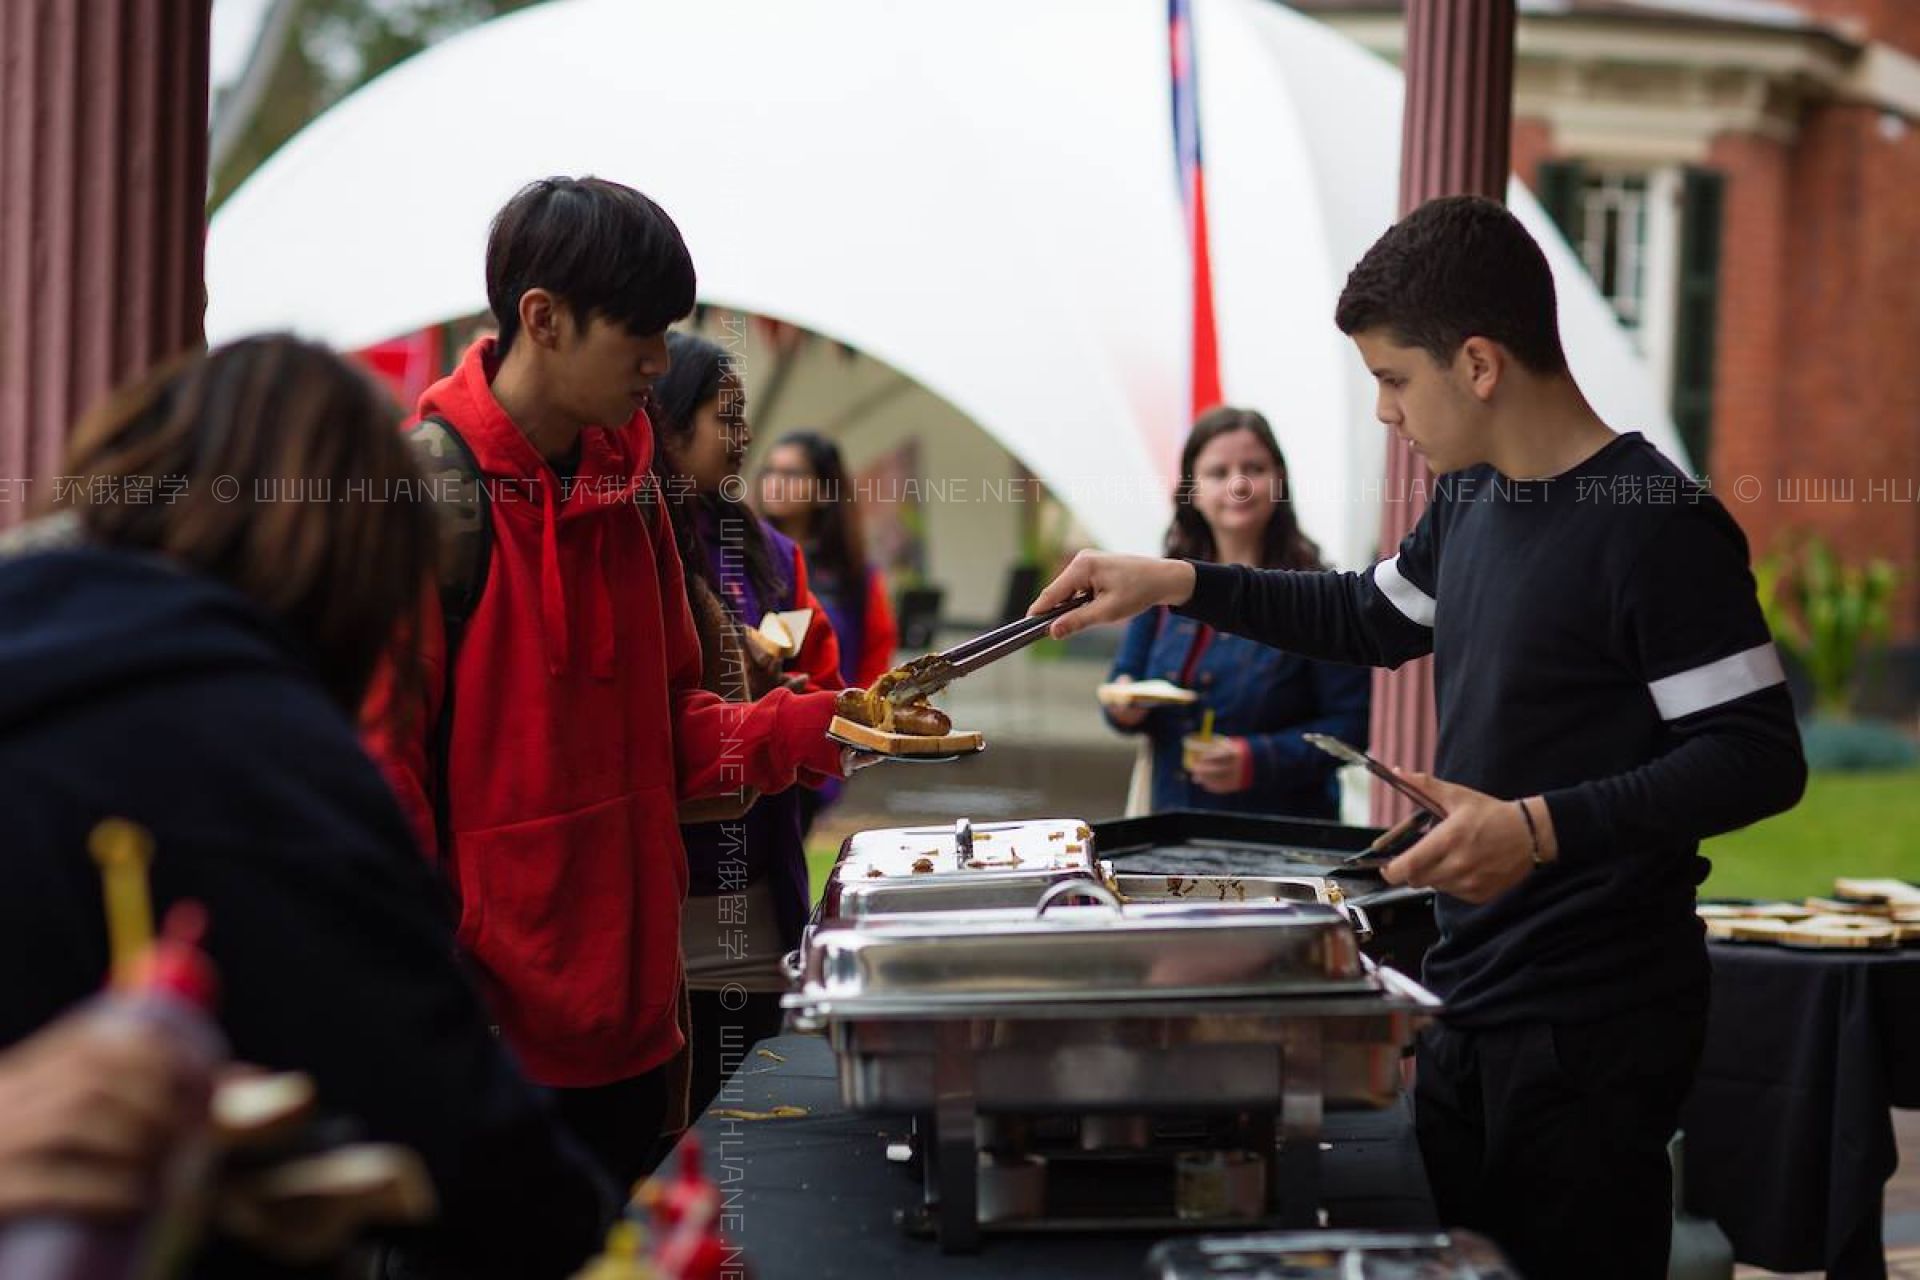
(979,194)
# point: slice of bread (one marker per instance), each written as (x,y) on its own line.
(786,631)
(903,744)
(250,1110)
(1144,693)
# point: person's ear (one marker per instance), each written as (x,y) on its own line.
(542,318)
(1480,365)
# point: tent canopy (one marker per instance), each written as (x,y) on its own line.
(981,195)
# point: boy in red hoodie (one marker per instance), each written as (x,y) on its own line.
(578,721)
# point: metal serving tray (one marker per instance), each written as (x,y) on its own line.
(990,960)
(1231,890)
(1330,1255)
(1205,843)
(893,870)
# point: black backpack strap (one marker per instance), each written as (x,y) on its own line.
(460,500)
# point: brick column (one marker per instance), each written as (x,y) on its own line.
(103,144)
(1455,140)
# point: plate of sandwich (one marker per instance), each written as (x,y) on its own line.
(1144,693)
(915,730)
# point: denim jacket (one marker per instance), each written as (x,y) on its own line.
(1258,693)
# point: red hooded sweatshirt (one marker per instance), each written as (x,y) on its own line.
(578,725)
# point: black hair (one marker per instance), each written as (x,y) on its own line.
(831,538)
(698,373)
(602,248)
(1456,268)
(1189,537)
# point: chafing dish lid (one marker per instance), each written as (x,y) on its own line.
(1034,844)
(910,869)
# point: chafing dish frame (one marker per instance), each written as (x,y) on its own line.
(1066,1057)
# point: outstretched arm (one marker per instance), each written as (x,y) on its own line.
(1380,617)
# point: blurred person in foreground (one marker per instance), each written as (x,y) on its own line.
(1233,507)
(806,493)
(88,1116)
(1608,696)
(561,720)
(184,647)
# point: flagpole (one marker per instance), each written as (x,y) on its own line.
(1203,378)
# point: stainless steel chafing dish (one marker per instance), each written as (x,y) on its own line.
(994,864)
(1156,1032)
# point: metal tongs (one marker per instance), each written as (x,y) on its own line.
(1405,833)
(928,675)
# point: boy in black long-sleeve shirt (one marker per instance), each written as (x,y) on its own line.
(1608,695)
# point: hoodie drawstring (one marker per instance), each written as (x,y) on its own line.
(598,614)
(601,596)
(553,593)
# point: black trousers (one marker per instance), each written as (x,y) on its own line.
(1552,1139)
(726,1026)
(619,1124)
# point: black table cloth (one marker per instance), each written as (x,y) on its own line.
(1789,1137)
(814,1196)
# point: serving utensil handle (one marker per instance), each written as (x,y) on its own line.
(1078,889)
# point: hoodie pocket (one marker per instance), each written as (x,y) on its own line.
(574,922)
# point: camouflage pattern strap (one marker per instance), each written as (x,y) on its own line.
(466,551)
(56,531)
(466,525)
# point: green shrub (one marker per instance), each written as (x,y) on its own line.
(1829,616)
(1856,746)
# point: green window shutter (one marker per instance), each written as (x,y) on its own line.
(1559,187)
(1702,205)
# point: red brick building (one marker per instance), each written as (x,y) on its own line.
(1742,177)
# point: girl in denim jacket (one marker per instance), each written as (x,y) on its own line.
(1232,508)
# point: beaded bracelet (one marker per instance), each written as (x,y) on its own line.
(1533,833)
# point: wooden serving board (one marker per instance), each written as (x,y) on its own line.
(1843,933)
(1820,933)
(905,744)
(1893,892)
(1734,929)
(1753,911)
(1839,907)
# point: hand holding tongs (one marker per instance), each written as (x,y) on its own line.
(934,672)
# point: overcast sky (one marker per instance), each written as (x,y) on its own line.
(235,24)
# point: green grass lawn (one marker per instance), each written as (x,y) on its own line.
(1849,824)
(820,856)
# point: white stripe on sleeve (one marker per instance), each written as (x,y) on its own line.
(1410,600)
(1718,682)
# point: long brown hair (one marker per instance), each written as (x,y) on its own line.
(831,536)
(698,374)
(273,465)
(1189,537)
